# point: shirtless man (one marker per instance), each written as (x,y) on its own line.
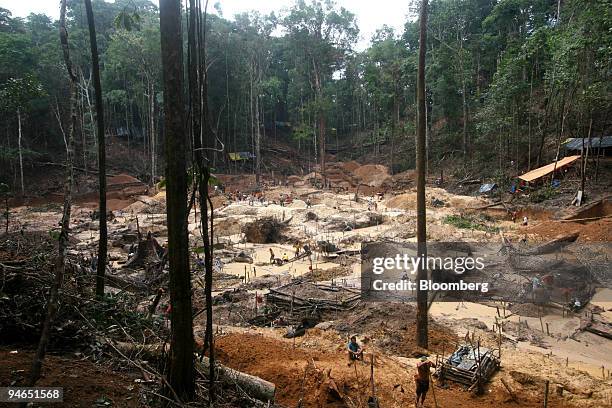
(421,379)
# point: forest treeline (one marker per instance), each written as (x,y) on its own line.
(506,82)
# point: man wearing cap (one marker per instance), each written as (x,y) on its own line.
(421,379)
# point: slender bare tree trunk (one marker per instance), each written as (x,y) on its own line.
(60,260)
(422,319)
(395,121)
(20,151)
(152,136)
(85,88)
(464,104)
(82,124)
(598,156)
(102,243)
(585,159)
(321,118)
(252,116)
(181,364)
(529,121)
(257,137)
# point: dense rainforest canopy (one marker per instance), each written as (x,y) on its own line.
(506,82)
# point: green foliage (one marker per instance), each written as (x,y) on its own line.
(505,71)
(128,20)
(543,194)
(12,153)
(303,132)
(55,234)
(470,222)
(17,93)
(117,312)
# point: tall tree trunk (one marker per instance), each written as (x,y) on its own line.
(20,151)
(529,121)
(564,114)
(422,320)
(181,363)
(152,131)
(82,124)
(102,243)
(598,156)
(395,122)
(203,148)
(257,138)
(585,159)
(321,118)
(463,98)
(60,260)
(85,89)
(252,116)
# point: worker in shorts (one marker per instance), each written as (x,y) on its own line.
(421,379)
(355,351)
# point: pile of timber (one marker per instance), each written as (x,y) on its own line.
(600,328)
(302,296)
(467,365)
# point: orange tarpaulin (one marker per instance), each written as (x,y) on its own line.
(549,168)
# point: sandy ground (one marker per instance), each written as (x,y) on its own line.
(583,351)
(563,354)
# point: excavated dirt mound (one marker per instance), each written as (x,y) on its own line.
(240,182)
(595,231)
(373,175)
(301,371)
(350,166)
(123,179)
(263,231)
(391,325)
(407,201)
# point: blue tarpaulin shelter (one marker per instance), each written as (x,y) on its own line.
(487,188)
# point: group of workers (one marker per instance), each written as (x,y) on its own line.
(297,248)
(421,376)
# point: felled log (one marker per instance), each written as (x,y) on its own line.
(553,245)
(512,394)
(255,387)
(599,329)
(502,203)
(126,284)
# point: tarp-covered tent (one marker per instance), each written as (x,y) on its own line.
(540,172)
(599,145)
(487,188)
(239,156)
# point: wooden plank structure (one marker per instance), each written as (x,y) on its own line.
(540,172)
(468,365)
(302,296)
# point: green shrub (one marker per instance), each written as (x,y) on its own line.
(477,223)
